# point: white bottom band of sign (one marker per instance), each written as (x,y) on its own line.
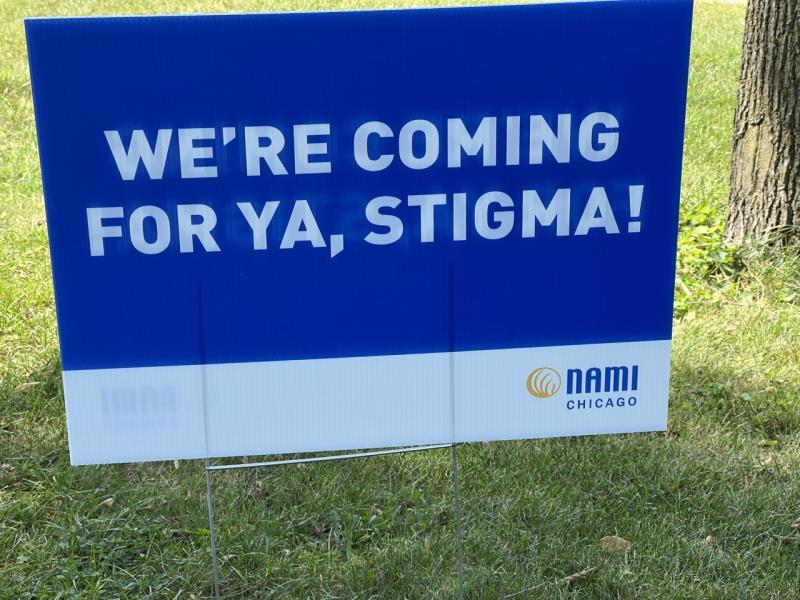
(196,411)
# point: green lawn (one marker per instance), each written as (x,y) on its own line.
(708,507)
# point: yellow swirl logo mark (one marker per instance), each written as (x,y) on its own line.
(544,382)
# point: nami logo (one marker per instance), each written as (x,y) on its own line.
(595,387)
(544,382)
(598,380)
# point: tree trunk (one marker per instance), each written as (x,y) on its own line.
(764,201)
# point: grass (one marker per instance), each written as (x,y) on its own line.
(708,507)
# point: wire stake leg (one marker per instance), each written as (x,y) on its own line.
(212,532)
(459,530)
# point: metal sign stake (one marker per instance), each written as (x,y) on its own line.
(209,468)
(212,532)
(459,530)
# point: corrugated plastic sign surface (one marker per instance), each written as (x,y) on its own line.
(299,232)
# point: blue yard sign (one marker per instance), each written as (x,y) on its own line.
(298,232)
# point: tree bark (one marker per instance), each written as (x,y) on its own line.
(764,201)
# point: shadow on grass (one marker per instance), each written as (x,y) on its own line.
(534,511)
(734,398)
